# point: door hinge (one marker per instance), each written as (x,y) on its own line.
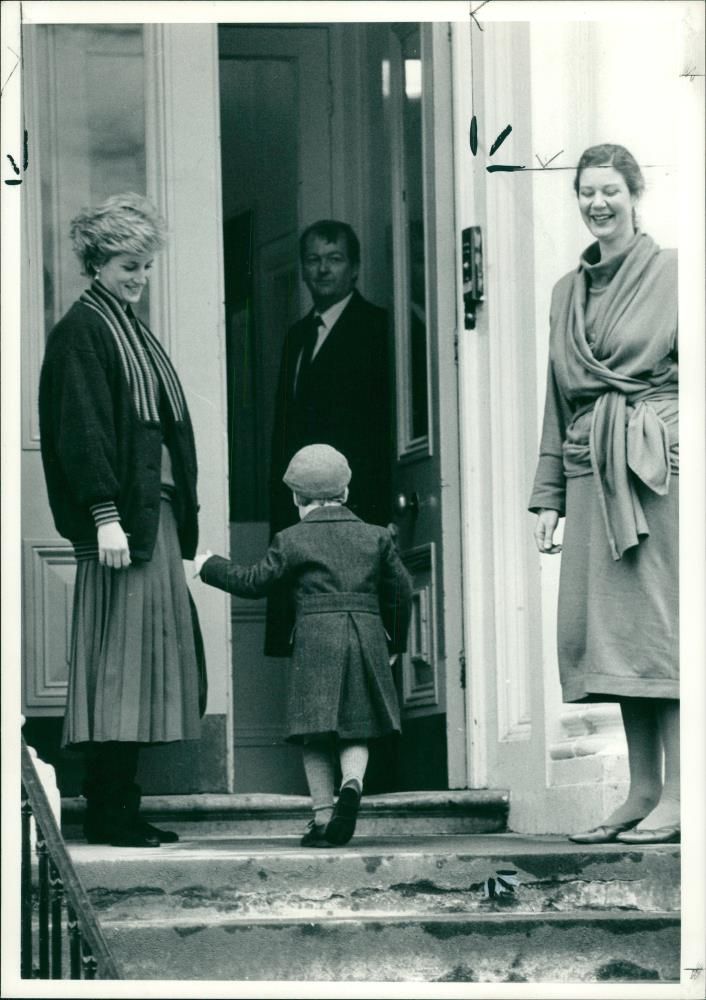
(462,668)
(472,268)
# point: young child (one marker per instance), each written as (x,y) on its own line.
(353,602)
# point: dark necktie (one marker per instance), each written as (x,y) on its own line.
(307,354)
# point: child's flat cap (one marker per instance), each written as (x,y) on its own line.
(318,472)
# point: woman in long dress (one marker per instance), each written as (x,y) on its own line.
(609,463)
(120,468)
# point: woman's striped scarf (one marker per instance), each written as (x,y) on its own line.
(141,355)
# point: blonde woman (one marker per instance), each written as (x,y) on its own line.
(120,468)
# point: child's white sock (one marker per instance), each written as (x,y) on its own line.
(354,760)
(318,767)
(322,815)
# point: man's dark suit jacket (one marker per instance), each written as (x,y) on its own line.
(346,402)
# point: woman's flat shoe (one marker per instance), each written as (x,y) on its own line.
(605,834)
(661,835)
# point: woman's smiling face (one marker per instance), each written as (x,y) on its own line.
(606,206)
(125,275)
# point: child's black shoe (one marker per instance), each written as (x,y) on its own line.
(315,835)
(345,813)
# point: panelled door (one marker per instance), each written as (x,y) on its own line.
(431,674)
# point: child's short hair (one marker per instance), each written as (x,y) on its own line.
(303,501)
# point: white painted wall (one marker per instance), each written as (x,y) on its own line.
(189,312)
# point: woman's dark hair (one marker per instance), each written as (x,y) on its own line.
(330,230)
(618,157)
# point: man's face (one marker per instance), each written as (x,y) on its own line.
(328,271)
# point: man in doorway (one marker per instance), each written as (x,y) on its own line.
(335,388)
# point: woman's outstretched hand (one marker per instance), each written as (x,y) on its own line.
(544,529)
(199,559)
(113,548)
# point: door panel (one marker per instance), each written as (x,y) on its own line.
(48,570)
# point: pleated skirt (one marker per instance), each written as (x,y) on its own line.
(133,672)
(618,620)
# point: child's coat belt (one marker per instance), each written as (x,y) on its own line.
(319,603)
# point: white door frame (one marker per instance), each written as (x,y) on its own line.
(184,179)
(496,399)
(473,406)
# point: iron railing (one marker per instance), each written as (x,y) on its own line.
(58,888)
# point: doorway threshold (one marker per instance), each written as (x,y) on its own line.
(423,813)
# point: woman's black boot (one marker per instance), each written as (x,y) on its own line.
(96,828)
(125,831)
(111,814)
(134,795)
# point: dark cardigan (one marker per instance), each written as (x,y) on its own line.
(96,450)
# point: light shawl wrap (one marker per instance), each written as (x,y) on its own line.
(622,388)
(141,355)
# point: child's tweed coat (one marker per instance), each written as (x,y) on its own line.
(353,602)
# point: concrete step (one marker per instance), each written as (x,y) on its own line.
(487,948)
(413,813)
(198,879)
(398,909)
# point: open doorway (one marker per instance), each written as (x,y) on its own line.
(328,122)
(263,73)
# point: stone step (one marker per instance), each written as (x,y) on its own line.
(554,947)
(408,813)
(197,879)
